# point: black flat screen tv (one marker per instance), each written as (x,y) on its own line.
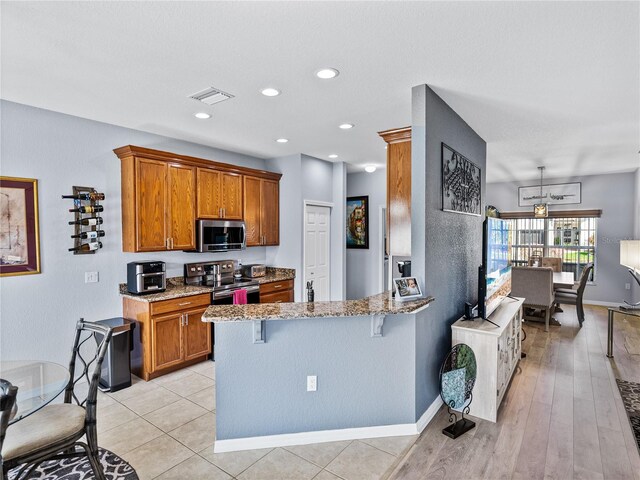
(494,282)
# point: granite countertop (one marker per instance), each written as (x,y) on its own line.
(177,289)
(380,304)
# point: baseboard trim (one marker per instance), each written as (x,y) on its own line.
(598,303)
(428,415)
(322,436)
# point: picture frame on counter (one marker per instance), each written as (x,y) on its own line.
(407,288)
(19,228)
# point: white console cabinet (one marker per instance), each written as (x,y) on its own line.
(497,350)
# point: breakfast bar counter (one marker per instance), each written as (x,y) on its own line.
(380,304)
(337,370)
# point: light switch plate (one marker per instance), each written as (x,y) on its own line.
(312,383)
(91,277)
(627,286)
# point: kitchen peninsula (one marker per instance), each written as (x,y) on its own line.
(298,373)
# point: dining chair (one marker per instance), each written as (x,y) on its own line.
(8,394)
(552,262)
(569,296)
(54,431)
(536,286)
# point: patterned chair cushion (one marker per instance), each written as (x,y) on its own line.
(45,427)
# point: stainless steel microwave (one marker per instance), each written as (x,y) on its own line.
(220,235)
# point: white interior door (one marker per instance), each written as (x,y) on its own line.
(316,252)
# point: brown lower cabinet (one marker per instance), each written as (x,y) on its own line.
(277,292)
(171,334)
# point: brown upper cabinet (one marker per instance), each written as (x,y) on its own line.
(163,193)
(157,207)
(219,195)
(262,211)
(398,190)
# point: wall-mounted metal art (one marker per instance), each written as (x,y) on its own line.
(461,183)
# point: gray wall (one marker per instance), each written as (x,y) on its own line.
(289,253)
(317,179)
(364,266)
(308,178)
(445,247)
(362,381)
(614,194)
(338,242)
(636,216)
(38,312)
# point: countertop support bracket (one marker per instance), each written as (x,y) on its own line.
(259,331)
(377,321)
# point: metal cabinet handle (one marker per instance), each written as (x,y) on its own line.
(184,303)
(171,243)
(182,320)
(166,243)
(186,319)
(277,286)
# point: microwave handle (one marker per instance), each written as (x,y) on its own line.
(151,274)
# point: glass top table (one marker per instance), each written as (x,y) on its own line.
(38,384)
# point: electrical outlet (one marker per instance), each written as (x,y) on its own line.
(312,383)
(627,286)
(91,277)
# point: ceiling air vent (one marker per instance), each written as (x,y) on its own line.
(211,96)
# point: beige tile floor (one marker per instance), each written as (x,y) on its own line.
(166,429)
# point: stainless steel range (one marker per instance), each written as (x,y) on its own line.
(220,276)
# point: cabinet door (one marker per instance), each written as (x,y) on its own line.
(270,212)
(197,335)
(182,222)
(399,198)
(166,341)
(209,199)
(277,297)
(252,200)
(151,204)
(232,196)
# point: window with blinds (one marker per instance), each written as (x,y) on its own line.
(573,239)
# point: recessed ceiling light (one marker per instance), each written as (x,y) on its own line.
(346,126)
(282,140)
(370,168)
(202,115)
(333,155)
(327,73)
(270,92)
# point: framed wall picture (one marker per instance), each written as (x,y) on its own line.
(407,288)
(358,222)
(19,236)
(553,194)
(461,183)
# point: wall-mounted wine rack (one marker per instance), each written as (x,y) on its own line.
(87,222)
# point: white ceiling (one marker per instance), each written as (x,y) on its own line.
(544,83)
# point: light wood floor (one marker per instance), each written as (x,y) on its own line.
(562,417)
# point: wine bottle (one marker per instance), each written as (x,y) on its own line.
(92,234)
(87,247)
(87,221)
(95,196)
(88,209)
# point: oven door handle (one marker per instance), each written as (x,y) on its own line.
(229,293)
(155,274)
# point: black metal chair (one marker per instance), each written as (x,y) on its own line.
(569,296)
(55,431)
(7,402)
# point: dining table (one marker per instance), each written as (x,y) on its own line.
(38,382)
(563,279)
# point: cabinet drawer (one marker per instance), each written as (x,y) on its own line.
(277,297)
(272,287)
(182,303)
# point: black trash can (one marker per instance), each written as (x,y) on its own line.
(116,367)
